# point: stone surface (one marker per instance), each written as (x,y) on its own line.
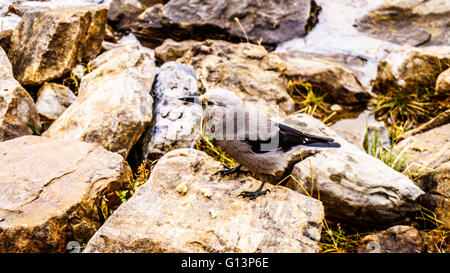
(397,239)
(192,210)
(114,105)
(337,83)
(354,187)
(246,69)
(409,69)
(411,22)
(52,100)
(51,191)
(362,128)
(428,154)
(268,21)
(175,124)
(49,43)
(17,109)
(443,83)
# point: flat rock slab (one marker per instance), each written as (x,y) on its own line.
(193,210)
(410,22)
(50,191)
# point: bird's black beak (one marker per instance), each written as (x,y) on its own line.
(193,99)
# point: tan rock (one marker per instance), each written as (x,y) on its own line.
(114,104)
(48,43)
(411,68)
(443,84)
(337,83)
(397,239)
(53,194)
(205,215)
(17,109)
(53,99)
(246,69)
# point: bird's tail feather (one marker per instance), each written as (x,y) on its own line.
(328,144)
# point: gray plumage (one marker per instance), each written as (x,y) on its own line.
(260,144)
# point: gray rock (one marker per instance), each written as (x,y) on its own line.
(443,83)
(411,22)
(114,105)
(268,21)
(192,210)
(53,99)
(354,187)
(53,195)
(175,124)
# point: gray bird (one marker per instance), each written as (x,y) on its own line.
(263,146)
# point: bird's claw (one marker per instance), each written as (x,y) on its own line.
(229,171)
(253,194)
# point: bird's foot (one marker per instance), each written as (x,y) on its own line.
(229,170)
(253,194)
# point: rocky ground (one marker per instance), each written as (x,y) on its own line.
(96,151)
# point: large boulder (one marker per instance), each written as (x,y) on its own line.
(428,156)
(411,22)
(246,69)
(354,187)
(52,189)
(410,69)
(114,105)
(193,210)
(18,114)
(268,21)
(175,124)
(47,43)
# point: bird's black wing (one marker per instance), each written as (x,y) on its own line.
(289,137)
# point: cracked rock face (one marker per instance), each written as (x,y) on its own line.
(354,187)
(114,105)
(193,210)
(17,109)
(51,191)
(175,123)
(48,43)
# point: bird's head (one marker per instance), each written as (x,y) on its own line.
(215,100)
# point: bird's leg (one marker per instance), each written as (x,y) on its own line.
(254,194)
(229,170)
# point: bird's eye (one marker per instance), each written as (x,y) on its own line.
(210,103)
